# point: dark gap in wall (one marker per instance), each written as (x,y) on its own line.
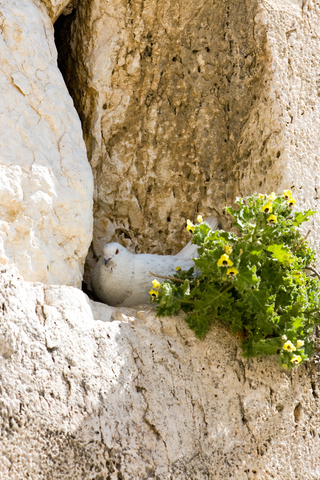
(63,35)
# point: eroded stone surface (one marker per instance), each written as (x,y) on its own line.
(186,105)
(55,7)
(88,391)
(279,144)
(45,179)
(163,91)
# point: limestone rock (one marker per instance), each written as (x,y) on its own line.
(55,7)
(45,179)
(184,108)
(91,392)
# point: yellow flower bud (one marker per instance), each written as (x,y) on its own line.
(267,208)
(156,284)
(224,261)
(272,197)
(231,272)
(154,293)
(190,226)
(289,346)
(291,202)
(272,219)
(287,194)
(227,249)
(296,359)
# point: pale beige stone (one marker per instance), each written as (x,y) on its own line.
(88,391)
(45,179)
(186,106)
(55,7)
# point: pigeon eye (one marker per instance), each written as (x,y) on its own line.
(117,251)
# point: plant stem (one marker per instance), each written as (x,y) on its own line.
(167,278)
(313,270)
(311,311)
(300,243)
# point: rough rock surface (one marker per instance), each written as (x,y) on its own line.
(91,392)
(55,7)
(45,179)
(187,104)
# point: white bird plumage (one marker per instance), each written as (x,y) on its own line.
(121,278)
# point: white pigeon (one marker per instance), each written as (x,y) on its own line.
(121,278)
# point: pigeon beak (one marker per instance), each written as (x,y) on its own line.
(107,260)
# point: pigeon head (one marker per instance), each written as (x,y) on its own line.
(113,251)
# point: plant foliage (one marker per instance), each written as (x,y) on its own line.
(254,281)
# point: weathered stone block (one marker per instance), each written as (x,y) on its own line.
(92,392)
(45,179)
(186,107)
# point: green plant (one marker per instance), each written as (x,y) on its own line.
(254,281)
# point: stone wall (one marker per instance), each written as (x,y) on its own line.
(45,179)
(183,105)
(163,91)
(92,392)
(187,105)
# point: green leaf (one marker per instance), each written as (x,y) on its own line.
(297,323)
(268,346)
(246,278)
(257,250)
(280,253)
(199,323)
(257,298)
(214,298)
(301,217)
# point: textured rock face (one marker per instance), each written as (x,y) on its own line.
(88,391)
(45,179)
(279,144)
(55,7)
(186,106)
(163,92)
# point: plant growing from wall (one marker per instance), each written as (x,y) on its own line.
(255,281)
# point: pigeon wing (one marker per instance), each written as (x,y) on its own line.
(191,250)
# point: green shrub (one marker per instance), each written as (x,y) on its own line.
(254,281)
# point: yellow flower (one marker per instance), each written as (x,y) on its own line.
(154,293)
(300,343)
(232,272)
(199,219)
(272,219)
(178,268)
(227,249)
(289,346)
(272,197)
(296,359)
(156,284)
(190,226)
(261,196)
(284,366)
(291,202)
(267,208)
(224,261)
(287,194)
